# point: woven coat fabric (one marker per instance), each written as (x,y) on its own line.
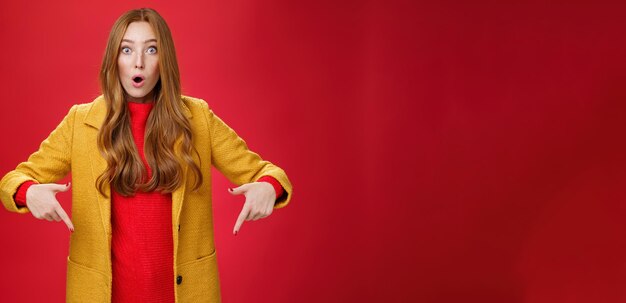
(72,147)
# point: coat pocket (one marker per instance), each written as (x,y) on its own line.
(86,284)
(198,280)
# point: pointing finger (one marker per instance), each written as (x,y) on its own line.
(64,217)
(242,217)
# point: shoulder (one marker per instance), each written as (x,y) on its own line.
(197,106)
(81,111)
(194,103)
(91,113)
(98,104)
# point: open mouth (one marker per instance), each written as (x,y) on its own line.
(138,81)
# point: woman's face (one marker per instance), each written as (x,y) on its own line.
(138,62)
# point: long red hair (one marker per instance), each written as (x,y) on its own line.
(166,123)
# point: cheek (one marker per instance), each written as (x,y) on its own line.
(121,66)
(154,70)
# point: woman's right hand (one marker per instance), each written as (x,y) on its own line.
(42,203)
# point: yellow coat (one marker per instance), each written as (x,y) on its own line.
(71,147)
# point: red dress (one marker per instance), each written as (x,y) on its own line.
(142,246)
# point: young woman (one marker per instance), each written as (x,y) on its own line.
(140,157)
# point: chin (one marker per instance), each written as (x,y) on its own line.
(137,96)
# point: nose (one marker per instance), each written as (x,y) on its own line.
(139,61)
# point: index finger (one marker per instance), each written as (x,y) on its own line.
(242,217)
(64,217)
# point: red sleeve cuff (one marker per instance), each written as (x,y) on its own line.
(277,187)
(20,195)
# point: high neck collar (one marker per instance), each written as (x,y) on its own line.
(133,105)
(140,109)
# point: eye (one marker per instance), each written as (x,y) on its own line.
(126,50)
(152,50)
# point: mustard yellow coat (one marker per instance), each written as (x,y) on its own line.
(71,147)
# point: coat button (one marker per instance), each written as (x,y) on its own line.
(179,280)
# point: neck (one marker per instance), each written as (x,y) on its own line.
(149,98)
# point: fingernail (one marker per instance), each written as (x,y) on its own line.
(230,189)
(67,184)
(236,233)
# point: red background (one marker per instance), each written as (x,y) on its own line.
(440,152)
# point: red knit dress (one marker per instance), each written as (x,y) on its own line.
(142,244)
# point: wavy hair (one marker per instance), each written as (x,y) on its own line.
(166,124)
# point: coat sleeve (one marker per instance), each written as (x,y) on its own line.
(231,156)
(47,165)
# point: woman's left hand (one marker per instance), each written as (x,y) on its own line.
(260,198)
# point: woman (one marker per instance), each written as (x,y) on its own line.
(140,157)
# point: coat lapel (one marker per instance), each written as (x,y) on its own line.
(94,118)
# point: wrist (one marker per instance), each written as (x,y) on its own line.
(22,193)
(278,189)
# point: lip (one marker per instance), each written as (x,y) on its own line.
(138,84)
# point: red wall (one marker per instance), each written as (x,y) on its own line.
(447,152)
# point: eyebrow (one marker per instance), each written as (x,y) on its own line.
(131,41)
